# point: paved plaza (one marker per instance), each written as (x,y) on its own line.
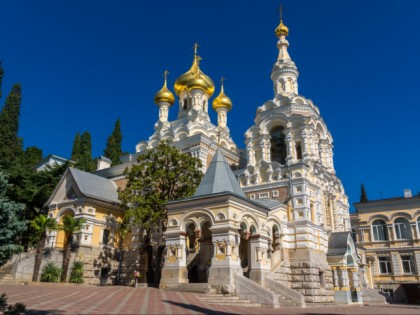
(63,299)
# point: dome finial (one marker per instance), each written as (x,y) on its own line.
(197,58)
(165,76)
(281,29)
(222,100)
(164,95)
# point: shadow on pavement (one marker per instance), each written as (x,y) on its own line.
(198,308)
(43,312)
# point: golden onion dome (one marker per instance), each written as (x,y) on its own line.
(222,101)
(194,79)
(282,29)
(164,95)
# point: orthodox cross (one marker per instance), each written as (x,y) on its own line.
(165,75)
(197,58)
(281,12)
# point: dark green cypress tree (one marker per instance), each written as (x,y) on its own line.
(363,195)
(76,150)
(85,161)
(1,76)
(113,149)
(10,143)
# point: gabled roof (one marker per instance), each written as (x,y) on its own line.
(219,178)
(95,186)
(89,185)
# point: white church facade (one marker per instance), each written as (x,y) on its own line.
(277,225)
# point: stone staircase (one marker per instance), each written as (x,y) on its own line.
(229,300)
(5,275)
(191,287)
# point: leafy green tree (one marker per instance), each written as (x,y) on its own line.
(113,149)
(10,143)
(32,189)
(10,224)
(70,226)
(161,175)
(76,151)
(363,195)
(40,226)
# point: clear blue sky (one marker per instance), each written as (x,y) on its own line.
(83,64)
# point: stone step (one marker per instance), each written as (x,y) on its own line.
(243,303)
(218,298)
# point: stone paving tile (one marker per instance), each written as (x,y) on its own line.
(61,299)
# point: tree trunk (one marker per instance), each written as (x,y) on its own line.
(66,258)
(38,257)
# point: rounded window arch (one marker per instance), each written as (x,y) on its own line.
(379,230)
(253,229)
(278,145)
(418,226)
(402,229)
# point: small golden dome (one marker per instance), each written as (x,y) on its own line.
(194,79)
(164,95)
(282,29)
(222,101)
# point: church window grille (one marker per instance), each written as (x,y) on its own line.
(298,150)
(385,265)
(379,230)
(278,145)
(402,229)
(407,263)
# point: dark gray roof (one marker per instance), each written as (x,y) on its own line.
(269,203)
(219,178)
(337,243)
(95,186)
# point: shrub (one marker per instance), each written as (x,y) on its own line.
(76,274)
(51,272)
(14,309)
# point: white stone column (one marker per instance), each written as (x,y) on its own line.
(335,278)
(163,111)
(290,146)
(222,117)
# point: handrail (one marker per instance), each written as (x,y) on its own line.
(283,290)
(246,288)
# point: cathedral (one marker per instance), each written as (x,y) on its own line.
(267,221)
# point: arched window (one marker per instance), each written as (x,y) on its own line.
(185,103)
(379,230)
(278,145)
(402,229)
(418,227)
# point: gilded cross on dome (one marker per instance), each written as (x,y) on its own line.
(165,75)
